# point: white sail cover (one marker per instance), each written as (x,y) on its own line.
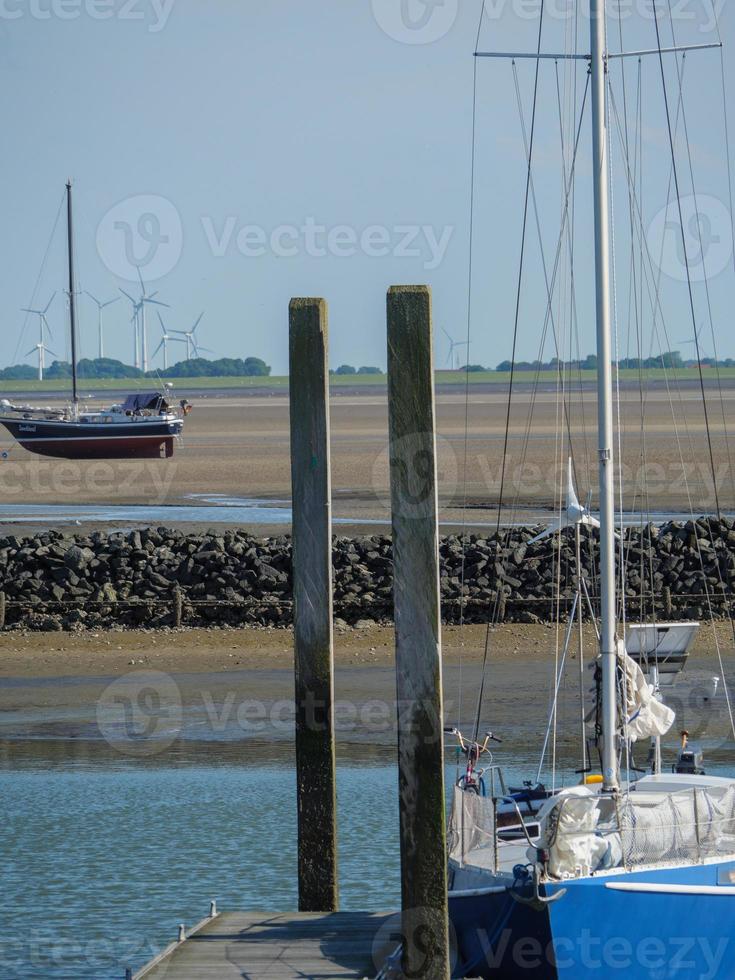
(645,715)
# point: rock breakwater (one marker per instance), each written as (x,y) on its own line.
(159,577)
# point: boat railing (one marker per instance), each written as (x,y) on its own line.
(584,834)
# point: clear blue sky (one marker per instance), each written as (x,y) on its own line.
(322,121)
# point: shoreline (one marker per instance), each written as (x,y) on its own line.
(31,656)
(235,686)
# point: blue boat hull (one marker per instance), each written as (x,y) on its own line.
(661,924)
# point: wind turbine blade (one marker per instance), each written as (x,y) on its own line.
(158,348)
(142,284)
(24,309)
(182,332)
(572,500)
(198,321)
(33,351)
(49,302)
(94,298)
(160,320)
(154,302)
(109,302)
(551,529)
(133,301)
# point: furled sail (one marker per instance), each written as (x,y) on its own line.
(645,715)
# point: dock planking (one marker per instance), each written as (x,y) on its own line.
(278,946)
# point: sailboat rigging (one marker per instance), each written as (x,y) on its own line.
(615,858)
(145,426)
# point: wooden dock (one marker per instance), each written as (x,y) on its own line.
(277,946)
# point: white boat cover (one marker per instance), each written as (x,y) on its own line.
(584,832)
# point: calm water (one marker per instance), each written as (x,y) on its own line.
(220,509)
(103,856)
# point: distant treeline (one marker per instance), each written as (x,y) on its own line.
(106,367)
(670,360)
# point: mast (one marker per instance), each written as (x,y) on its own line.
(608,625)
(72,308)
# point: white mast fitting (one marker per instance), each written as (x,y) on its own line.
(608,611)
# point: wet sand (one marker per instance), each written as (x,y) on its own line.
(238,684)
(239,446)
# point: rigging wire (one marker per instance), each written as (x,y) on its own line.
(471,232)
(694,323)
(657,307)
(685,253)
(481,692)
(39,276)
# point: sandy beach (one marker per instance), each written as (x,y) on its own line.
(236,445)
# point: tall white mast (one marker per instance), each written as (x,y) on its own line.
(604,396)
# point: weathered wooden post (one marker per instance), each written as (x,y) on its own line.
(312,591)
(668,607)
(418,639)
(2,610)
(178,606)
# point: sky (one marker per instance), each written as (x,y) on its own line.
(242,153)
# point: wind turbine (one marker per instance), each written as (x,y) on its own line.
(575,514)
(42,350)
(139,324)
(144,299)
(42,321)
(454,345)
(100,308)
(165,342)
(192,347)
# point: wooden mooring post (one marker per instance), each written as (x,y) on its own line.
(2,610)
(312,590)
(425,928)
